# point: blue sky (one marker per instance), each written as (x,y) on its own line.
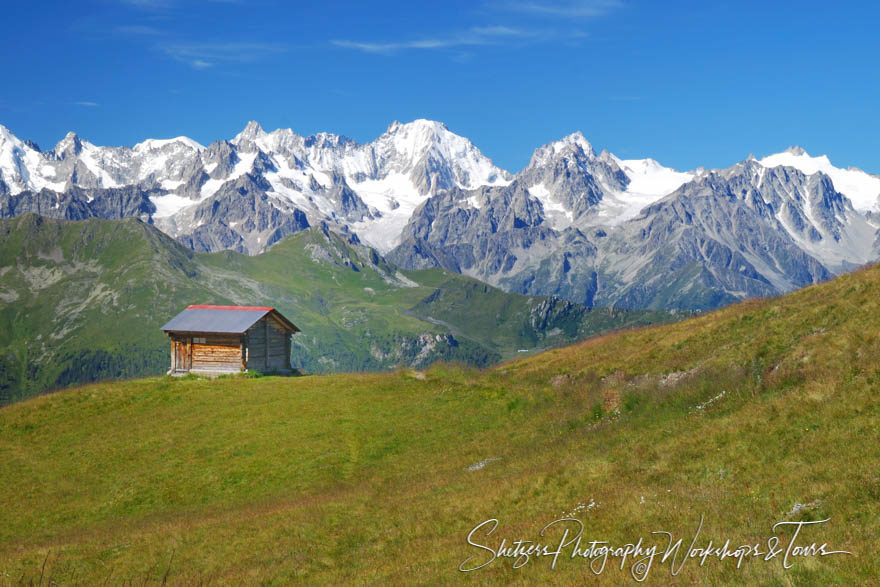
(688,83)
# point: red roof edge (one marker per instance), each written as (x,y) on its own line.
(245,308)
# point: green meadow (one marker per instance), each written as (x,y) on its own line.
(763,412)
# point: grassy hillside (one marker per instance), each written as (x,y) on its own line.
(763,412)
(83,301)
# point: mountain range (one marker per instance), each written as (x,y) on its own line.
(589,227)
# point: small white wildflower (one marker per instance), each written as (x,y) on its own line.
(483,463)
(710,401)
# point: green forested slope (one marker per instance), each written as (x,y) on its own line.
(83,301)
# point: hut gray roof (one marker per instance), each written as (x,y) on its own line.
(222,319)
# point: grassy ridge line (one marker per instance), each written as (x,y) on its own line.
(371,477)
(81,301)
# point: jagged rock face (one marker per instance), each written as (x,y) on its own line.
(79,204)
(702,247)
(725,235)
(480,233)
(240,216)
(570,174)
(592,228)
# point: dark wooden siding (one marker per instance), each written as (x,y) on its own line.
(268,346)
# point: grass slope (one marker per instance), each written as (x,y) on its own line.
(737,416)
(84,301)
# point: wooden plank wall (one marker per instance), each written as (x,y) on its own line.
(268,330)
(278,356)
(256,347)
(219,352)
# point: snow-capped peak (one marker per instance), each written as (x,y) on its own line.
(649,181)
(407,164)
(577,139)
(21,165)
(70,144)
(251,132)
(798,158)
(649,177)
(9,141)
(157,144)
(574,142)
(419,125)
(415,138)
(6,134)
(423,144)
(863,189)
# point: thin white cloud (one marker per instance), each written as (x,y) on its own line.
(560,9)
(206,55)
(486,35)
(501,34)
(498,31)
(87,103)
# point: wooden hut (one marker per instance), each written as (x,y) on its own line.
(229,339)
